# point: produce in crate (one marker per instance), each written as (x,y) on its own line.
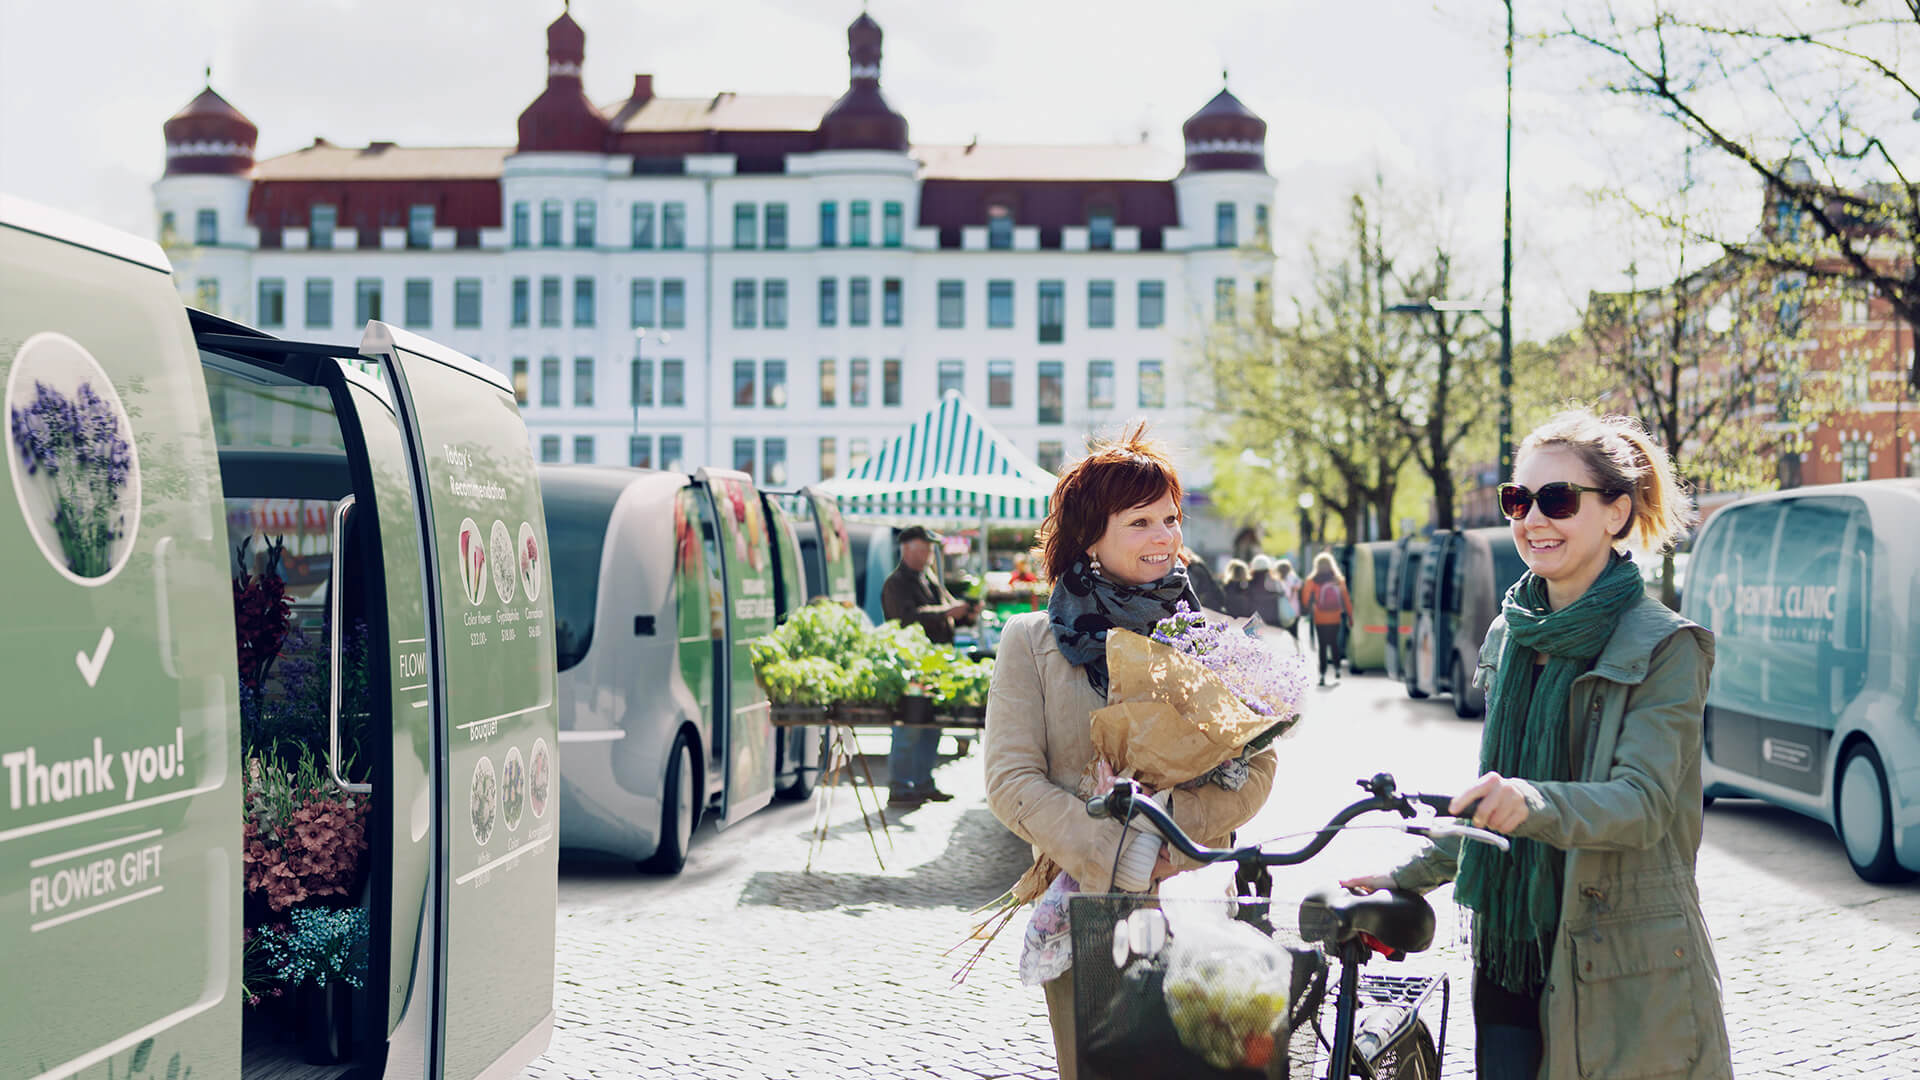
(1226,991)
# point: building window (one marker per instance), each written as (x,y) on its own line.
(829,383)
(858,301)
(746,225)
(743,379)
(642,225)
(1053,312)
(890,383)
(522,225)
(583,449)
(673,225)
(953,376)
(319,303)
(167,227)
(640,451)
(585,223)
(320,223)
(743,456)
(856,454)
(1153,304)
(1000,384)
(519,370)
(583,381)
(673,388)
(549,301)
(419,302)
(776,225)
(584,308)
(1853,304)
(673,304)
(1854,460)
(892,225)
(206,293)
(1050,454)
(829,457)
(857,383)
(890,302)
(640,383)
(1786,220)
(466,303)
(773,303)
(773,457)
(1262,302)
(550,449)
(1100,230)
(550,223)
(829,299)
(829,224)
(549,382)
(1000,305)
(522,301)
(745,308)
(1100,305)
(273,301)
(640,303)
(773,379)
(206,228)
(1100,393)
(1856,377)
(859,223)
(953,305)
(1262,228)
(999,228)
(1226,230)
(1223,299)
(366,301)
(420,226)
(671,456)
(1050,392)
(1153,385)
(1913,460)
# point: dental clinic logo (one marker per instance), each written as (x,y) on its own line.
(1720,598)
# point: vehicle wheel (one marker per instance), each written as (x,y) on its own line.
(679,811)
(1412,1058)
(1463,704)
(1862,818)
(807,773)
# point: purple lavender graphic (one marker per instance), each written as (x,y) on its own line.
(80,449)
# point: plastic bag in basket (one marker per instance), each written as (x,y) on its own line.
(1226,990)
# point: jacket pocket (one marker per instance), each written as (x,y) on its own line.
(1633,997)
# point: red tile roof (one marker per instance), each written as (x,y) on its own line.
(726,111)
(385,161)
(1122,161)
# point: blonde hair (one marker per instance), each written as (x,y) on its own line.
(1623,458)
(1324,561)
(1237,572)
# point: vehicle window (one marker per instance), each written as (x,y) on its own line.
(1382,562)
(1508,567)
(1456,583)
(577,517)
(1410,579)
(1799,601)
(1740,610)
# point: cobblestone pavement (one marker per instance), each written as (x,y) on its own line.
(747,965)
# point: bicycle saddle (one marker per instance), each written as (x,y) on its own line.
(1402,921)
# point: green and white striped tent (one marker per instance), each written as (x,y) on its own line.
(952,465)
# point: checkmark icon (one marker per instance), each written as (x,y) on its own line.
(90,665)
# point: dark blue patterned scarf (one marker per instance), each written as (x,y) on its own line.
(1085,605)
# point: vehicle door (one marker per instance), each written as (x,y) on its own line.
(745,747)
(120,801)
(490,688)
(836,551)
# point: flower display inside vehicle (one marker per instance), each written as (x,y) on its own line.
(484,799)
(75,468)
(513,788)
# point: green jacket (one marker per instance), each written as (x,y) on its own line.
(1632,988)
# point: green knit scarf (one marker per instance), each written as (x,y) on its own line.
(1516,893)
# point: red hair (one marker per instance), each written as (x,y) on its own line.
(1120,475)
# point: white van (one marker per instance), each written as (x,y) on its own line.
(1813,595)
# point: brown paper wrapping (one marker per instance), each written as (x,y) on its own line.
(1167,718)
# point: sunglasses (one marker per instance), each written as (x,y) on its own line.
(1559,499)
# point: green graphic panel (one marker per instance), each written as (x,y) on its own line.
(746,555)
(835,553)
(486,556)
(119,751)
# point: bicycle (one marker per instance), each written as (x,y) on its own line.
(1385,1038)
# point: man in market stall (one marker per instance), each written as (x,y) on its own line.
(912,594)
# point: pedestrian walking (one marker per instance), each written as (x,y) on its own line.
(1111,544)
(1237,581)
(1265,590)
(1201,578)
(1289,597)
(1331,606)
(913,596)
(1591,957)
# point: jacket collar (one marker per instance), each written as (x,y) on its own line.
(1629,652)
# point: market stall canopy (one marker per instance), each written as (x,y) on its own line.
(950,463)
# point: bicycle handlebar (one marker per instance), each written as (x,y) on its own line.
(1125,801)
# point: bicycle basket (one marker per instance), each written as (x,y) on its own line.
(1123,1026)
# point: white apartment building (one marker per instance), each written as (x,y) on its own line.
(773,283)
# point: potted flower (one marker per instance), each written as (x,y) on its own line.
(321,955)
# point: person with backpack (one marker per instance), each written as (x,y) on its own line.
(1325,595)
(1289,589)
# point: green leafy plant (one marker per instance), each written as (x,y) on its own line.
(811,680)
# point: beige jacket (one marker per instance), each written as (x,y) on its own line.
(1038,742)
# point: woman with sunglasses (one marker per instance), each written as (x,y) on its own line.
(1591,957)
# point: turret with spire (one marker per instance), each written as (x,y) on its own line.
(862,119)
(1225,135)
(561,119)
(210,137)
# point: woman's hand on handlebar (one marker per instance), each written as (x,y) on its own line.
(1367,884)
(1502,803)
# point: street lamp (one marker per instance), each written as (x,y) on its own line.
(640,336)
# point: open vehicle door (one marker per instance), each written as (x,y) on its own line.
(836,554)
(745,747)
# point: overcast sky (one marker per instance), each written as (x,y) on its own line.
(1349,88)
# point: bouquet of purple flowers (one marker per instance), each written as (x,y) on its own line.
(1269,685)
(79,448)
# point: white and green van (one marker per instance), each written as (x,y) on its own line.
(280,708)
(1813,596)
